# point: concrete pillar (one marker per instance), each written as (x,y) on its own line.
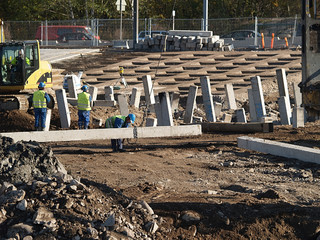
(230,96)
(282,83)
(166,112)
(109,95)
(148,89)
(207,98)
(191,102)
(151,122)
(298,117)
(258,97)
(285,110)
(48,119)
(135,97)
(252,108)
(72,87)
(217,108)
(241,115)
(93,91)
(297,95)
(63,108)
(174,100)
(123,104)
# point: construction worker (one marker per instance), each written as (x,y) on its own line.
(16,66)
(119,121)
(84,100)
(39,100)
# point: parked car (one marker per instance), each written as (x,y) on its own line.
(56,31)
(143,34)
(241,34)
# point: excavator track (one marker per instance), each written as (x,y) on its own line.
(19,102)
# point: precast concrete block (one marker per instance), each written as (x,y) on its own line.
(191,102)
(298,117)
(123,104)
(72,87)
(258,99)
(252,108)
(230,96)
(104,103)
(285,110)
(227,118)
(282,83)
(217,108)
(174,100)
(207,98)
(93,91)
(48,119)
(280,149)
(148,90)
(63,108)
(166,111)
(241,115)
(297,95)
(135,97)
(151,122)
(109,94)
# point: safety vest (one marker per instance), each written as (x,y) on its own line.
(39,100)
(84,101)
(15,61)
(110,121)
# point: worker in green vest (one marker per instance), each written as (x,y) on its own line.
(39,100)
(119,121)
(84,108)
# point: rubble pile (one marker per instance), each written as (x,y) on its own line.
(184,43)
(47,203)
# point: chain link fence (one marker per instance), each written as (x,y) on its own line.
(109,29)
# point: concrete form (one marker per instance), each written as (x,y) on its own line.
(148,90)
(48,119)
(297,95)
(236,127)
(298,117)
(63,108)
(123,104)
(252,108)
(230,96)
(207,98)
(108,93)
(285,110)
(191,102)
(135,97)
(72,88)
(166,112)
(258,97)
(280,149)
(72,101)
(105,133)
(241,115)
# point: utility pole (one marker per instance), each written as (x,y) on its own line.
(135,22)
(205,15)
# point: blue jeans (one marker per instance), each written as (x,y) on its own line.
(116,144)
(40,117)
(84,119)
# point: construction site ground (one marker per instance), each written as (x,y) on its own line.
(234,193)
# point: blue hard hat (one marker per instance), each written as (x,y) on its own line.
(132,117)
(84,88)
(41,85)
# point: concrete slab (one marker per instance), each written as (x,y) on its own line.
(107,133)
(280,149)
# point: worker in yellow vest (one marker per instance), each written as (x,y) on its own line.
(39,100)
(84,108)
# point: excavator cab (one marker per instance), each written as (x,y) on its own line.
(21,68)
(310,84)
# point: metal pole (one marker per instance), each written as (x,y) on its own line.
(173,15)
(294,34)
(120,19)
(150,23)
(205,15)
(256,31)
(46,32)
(135,22)
(41,33)
(97,32)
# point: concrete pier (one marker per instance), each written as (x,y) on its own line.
(135,97)
(148,90)
(63,108)
(191,102)
(258,99)
(207,98)
(123,104)
(108,93)
(165,108)
(252,107)
(230,96)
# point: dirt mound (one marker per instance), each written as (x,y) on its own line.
(25,161)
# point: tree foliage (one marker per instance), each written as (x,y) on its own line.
(33,10)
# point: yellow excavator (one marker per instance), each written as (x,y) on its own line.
(21,70)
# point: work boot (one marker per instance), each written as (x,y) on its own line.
(42,129)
